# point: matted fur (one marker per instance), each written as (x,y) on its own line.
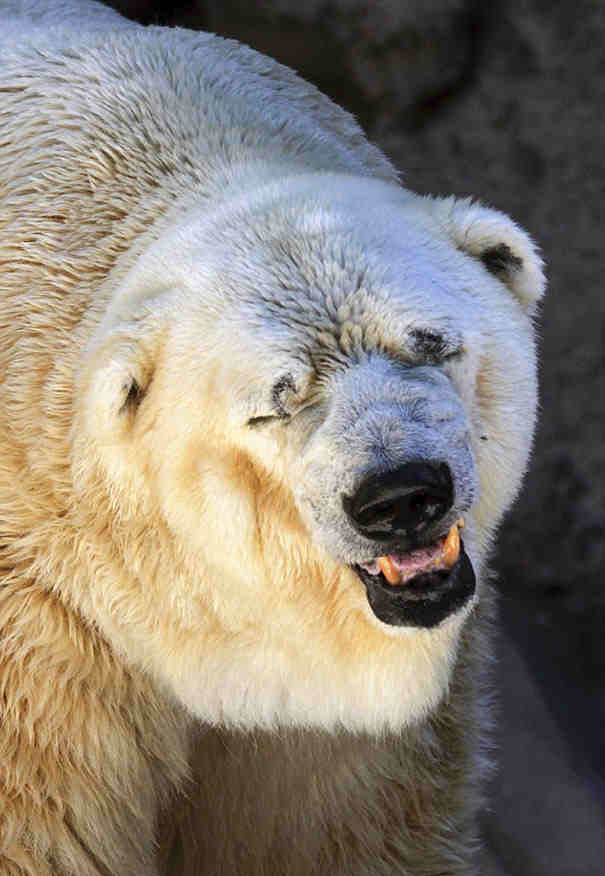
(192,241)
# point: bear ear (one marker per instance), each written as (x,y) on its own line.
(117,377)
(504,249)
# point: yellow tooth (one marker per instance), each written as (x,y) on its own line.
(451,546)
(389,570)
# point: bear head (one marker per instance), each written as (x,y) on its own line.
(303,412)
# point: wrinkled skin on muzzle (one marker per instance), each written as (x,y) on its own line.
(382,415)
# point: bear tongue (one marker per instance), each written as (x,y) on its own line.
(398,568)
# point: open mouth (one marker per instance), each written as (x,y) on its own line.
(422,587)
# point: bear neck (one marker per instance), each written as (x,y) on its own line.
(292,800)
(95,743)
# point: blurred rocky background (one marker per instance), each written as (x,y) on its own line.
(504,101)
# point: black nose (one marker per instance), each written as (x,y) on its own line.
(402,501)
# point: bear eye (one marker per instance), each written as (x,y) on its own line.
(281,391)
(254,422)
(435,347)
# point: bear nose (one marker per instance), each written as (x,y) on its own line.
(404,500)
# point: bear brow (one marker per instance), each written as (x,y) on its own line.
(281,389)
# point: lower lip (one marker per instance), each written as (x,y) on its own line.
(426,600)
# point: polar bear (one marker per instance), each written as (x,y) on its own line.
(262,411)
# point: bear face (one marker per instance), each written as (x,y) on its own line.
(245,409)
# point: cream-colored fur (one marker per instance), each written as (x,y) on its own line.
(192,679)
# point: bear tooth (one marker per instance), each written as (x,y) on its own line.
(389,570)
(451,545)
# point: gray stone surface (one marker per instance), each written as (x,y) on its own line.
(504,101)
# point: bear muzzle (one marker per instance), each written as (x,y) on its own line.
(427,581)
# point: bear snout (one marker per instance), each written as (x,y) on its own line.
(402,501)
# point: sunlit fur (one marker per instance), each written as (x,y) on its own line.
(191,678)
